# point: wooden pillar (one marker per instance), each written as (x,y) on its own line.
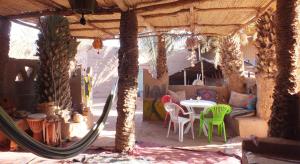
(283,121)
(127,85)
(4,50)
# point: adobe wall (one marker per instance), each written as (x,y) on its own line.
(20,93)
(191,90)
(153,90)
(23,93)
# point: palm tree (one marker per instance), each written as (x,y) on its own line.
(283,121)
(4,49)
(157,49)
(232,62)
(56,48)
(161,59)
(266,63)
(127,85)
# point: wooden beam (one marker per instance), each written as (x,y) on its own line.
(56,4)
(101,29)
(149,34)
(143,20)
(259,14)
(181,11)
(89,23)
(65,12)
(61,10)
(106,28)
(199,25)
(170,4)
(192,19)
(100,21)
(26,24)
(43,2)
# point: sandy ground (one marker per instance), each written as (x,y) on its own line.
(150,133)
(154,132)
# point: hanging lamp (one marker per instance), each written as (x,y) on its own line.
(97,44)
(83,7)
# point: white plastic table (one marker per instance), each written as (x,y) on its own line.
(191,104)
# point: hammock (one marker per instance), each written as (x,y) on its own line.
(8,127)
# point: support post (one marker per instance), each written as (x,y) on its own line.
(161,59)
(201,60)
(127,84)
(184,77)
(5,25)
(283,120)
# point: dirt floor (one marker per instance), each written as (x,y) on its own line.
(152,145)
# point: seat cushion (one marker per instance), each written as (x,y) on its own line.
(241,112)
(240,100)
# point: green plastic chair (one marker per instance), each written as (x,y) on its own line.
(217,118)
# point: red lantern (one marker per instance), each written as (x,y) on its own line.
(97,44)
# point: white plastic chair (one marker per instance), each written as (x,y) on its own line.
(174,111)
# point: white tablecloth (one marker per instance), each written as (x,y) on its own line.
(191,104)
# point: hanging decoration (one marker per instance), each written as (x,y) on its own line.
(191,42)
(193,58)
(97,44)
(83,7)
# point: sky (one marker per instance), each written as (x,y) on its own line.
(22,42)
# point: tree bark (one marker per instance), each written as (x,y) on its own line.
(265,91)
(161,60)
(266,64)
(283,119)
(56,48)
(127,85)
(232,63)
(4,50)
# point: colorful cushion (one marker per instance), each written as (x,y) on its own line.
(207,94)
(252,103)
(240,100)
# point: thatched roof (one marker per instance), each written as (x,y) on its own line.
(208,17)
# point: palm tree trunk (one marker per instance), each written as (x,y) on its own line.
(4,50)
(161,60)
(283,119)
(55,51)
(127,86)
(266,64)
(232,63)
